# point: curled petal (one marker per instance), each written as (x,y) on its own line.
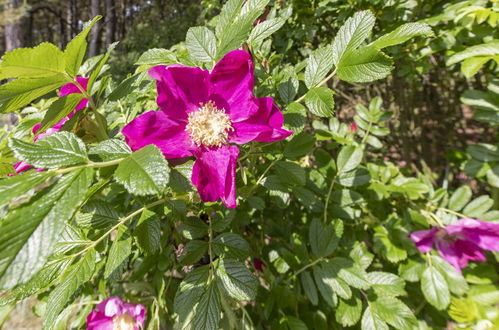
(482,233)
(21,167)
(232,81)
(155,127)
(459,252)
(214,174)
(72,88)
(424,239)
(181,89)
(98,321)
(263,126)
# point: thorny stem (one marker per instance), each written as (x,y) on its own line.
(323,82)
(88,164)
(122,221)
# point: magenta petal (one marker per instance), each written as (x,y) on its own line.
(97,321)
(181,89)
(154,127)
(137,311)
(263,126)
(450,253)
(71,88)
(21,167)
(232,80)
(214,174)
(484,234)
(424,239)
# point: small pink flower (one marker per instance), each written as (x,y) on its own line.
(461,242)
(202,115)
(354,128)
(65,90)
(113,313)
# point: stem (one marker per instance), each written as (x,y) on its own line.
(323,82)
(301,270)
(89,164)
(328,197)
(262,176)
(210,253)
(122,221)
(452,212)
(366,134)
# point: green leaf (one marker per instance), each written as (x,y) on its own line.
(264,30)
(460,198)
(157,56)
(357,177)
(97,214)
(228,14)
(111,150)
(16,186)
(349,158)
(44,60)
(207,312)
(98,68)
(477,207)
(236,279)
(324,239)
(487,49)
(364,65)
(349,311)
(189,293)
(118,254)
(386,284)
(294,173)
(60,149)
(309,287)
(351,35)
(295,117)
(201,43)
(230,245)
(144,172)
(435,288)
(21,92)
(352,274)
(371,321)
(394,312)
(319,64)
(193,227)
(472,65)
(192,252)
(484,152)
(127,86)
(299,146)
(402,34)
(38,224)
(493,176)
(76,48)
(148,232)
(330,285)
(320,101)
(455,280)
(76,276)
(59,109)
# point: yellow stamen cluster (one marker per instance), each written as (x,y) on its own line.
(209,126)
(124,322)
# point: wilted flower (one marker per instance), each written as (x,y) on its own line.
(461,242)
(114,314)
(202,114)
(65,90)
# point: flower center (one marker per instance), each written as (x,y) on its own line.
(209,126)
(124,322)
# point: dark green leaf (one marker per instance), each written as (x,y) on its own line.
(320,102)
(236,279)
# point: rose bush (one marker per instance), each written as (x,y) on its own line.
(214,187)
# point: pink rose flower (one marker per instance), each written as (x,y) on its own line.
(112,313)
(461,242)
(65,90)
(202,115)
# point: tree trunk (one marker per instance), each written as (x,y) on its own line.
(13,28)
(110,21)
(94,43)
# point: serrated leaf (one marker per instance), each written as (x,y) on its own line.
(484,152)
(394,312)
(295,117)
(349,311)
(293,172)
(320,101)
(118,254)
(98,67)
(16,186)
(236,279)
(352,274)
(111,150)
(59,109)
(349,158)
(230,245)
(201,43)
(472,65)
(364,65)
(193,227)
(357,177)
(435,288)
(299,146)
(97,214)
(318,66)
(264,30)
(29,233)
(60,149)
(309,287)
(351,35)
(189,293)
(386,284)
(144,172)
(370,321)
(324,239)
(77,275)
(192,252)
(229,12)
(44,60)
(77,47)
(127,86)
(329,284)
(402,34)
(455,280)
(487,49)
(148,232)
(477,207)
(157,56)
(207,312)
(460,198)
(21,92)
